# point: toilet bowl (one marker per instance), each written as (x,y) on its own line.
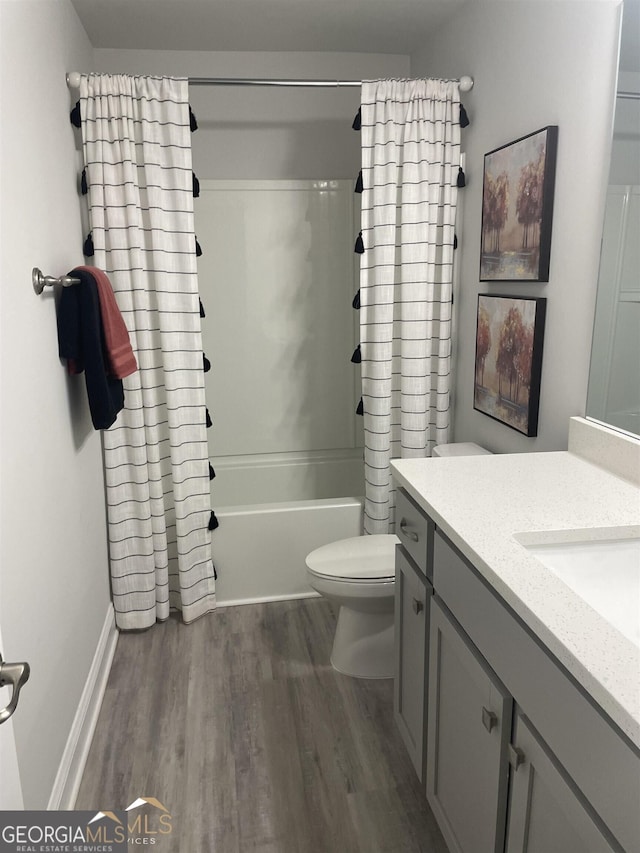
(358,575)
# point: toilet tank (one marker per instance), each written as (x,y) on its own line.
(464,448)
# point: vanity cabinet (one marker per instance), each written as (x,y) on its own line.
(483,755)
(546,814)
(469,725)
(515,755)
(414,569)
(571,772)
(412,600)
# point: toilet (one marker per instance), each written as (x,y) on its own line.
(358,575)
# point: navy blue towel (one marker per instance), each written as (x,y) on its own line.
(81,338)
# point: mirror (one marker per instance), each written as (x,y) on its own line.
(614,377)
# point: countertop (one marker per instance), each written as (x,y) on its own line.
(480,502)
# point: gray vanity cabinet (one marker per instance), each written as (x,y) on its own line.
(414,573)
(412,600)
(469,726)
(515,756)
(578,778)
(546,813)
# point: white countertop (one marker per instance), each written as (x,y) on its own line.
(480,502)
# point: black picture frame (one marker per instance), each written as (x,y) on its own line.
(517,208)
(508,364)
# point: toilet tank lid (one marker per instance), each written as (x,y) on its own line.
(463,448)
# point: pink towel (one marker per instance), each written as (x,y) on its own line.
(120,357)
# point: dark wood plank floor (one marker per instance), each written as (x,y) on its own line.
(238,724)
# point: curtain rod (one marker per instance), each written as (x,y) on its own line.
(630,96)
(466,83)
(73,81)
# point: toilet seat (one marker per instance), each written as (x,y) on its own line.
(361,559)
(379,581)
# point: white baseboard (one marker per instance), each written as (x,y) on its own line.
(74,757)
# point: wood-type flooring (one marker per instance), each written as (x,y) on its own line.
(240,728)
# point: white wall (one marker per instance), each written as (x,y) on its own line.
(625,154)
(53,554)
(247,133)
(535,63)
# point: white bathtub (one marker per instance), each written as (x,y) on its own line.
(259,551)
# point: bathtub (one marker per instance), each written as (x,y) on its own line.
(259,549)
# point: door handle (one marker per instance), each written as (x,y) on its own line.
(17,675)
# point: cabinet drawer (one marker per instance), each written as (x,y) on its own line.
(603,764)
(415,531)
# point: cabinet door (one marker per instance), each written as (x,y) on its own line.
(411,635)
(469,726)
(546,814)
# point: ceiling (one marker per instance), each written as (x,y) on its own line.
(353,26)
(358,26)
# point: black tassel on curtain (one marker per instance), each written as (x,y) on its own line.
(461,180)
(358,248)
(206,364)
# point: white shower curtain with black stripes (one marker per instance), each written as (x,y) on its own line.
(137,150)
(410,136)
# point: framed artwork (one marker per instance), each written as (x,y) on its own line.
(509,336)
(517,208)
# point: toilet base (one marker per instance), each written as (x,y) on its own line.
(363,644)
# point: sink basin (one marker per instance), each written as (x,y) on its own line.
(605,573)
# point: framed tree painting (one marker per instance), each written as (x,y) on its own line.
(517,208)
(509,337)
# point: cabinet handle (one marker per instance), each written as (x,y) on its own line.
(418,606)
(410,534)
(516,756)
(489,719)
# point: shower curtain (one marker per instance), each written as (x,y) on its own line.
(137,155)
(410,173)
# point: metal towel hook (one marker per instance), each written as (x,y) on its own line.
(41,281)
